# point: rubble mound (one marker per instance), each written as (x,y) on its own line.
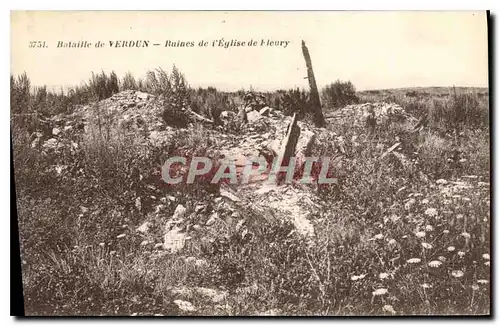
(383,113)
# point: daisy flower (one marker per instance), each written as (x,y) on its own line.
(426,245)
(389,308)
(383,275)
(420,234)
(357,277)
(430,212)
(414,260)
(380,291)
(435,263)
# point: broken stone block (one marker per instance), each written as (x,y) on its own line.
(174,240)
(179,212)
(265,111)
(253,116)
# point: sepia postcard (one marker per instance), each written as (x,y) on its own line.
(250,163)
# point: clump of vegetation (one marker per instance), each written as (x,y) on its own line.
(339,94)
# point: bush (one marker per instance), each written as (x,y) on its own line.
(339,94)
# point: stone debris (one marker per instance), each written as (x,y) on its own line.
(357,114)
(215,296)
(144,228)
(179,213)
(174,240)
(185,305)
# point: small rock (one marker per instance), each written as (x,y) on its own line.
(265,110)
(159,208)
(229,195)
(174,240)
(199,208)
(179,212)
(189,259)
(144,228)
(185,305)
(212,218)
(138,203)
(253,116)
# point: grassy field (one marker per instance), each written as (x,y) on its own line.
(401,235)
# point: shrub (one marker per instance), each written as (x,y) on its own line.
(339,94)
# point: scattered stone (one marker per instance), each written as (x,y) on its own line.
(138,204)
(271,312)
(144,228)
(199,208)
(212,219)
(228,194)
(253,116)
(174,240)
(179,212)
(265,111)
(159,208)
(185,305)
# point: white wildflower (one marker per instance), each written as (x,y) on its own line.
(425,201)
(487,263)
(435,263)
(446,231)
(483,281)
(379,236)
(461,254)
(451,248)
(414,260)
(465,235)
(383,276)
(442,258)
(392,242)
(426,286)
(420,234)
(431,212)
(457,273)
(486,256)
(460,216)
(184,305)
(389,308)
(429,228)
(380,291)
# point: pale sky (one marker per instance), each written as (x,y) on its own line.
(374,50)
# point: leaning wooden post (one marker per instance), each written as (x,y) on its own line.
(319,119)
